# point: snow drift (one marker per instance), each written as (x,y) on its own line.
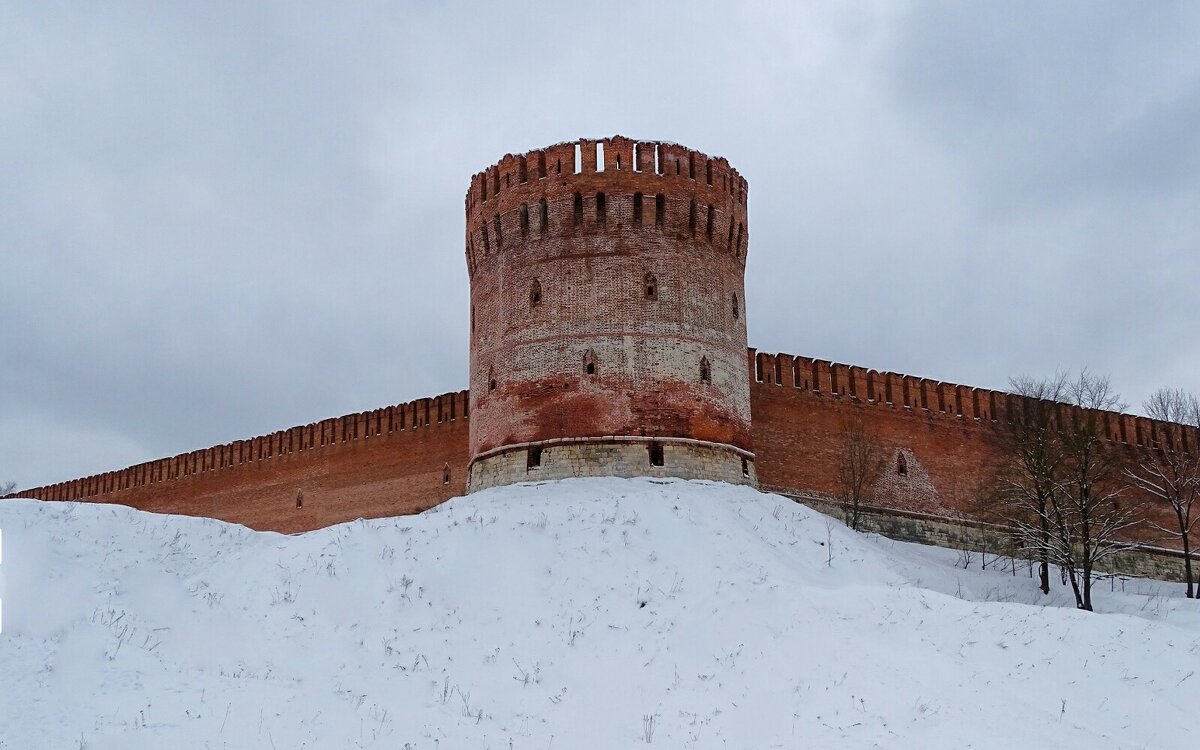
(601,613)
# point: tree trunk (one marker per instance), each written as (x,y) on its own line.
(1087,586)
(1044,559)
(1075,588)
(1187,566)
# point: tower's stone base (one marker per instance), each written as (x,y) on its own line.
(612,457)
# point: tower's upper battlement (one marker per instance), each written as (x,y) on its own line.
(612,184)
(572,159)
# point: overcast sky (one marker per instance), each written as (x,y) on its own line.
(218,221)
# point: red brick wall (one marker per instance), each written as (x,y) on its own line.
(386,462)
(390,461)
(798,432)
(945,434)
(589,258)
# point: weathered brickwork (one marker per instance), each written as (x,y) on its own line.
(393,461)
(939,439)
(608,321)
(607,298)
(390,461)
(630,457)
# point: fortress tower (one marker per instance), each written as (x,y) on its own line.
(608,324)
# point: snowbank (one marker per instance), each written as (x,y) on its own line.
(582,614)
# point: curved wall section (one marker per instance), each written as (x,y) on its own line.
(607,308)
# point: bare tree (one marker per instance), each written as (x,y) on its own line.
(1089,510)
(7,488)
(859,467)
(1032,467)
(1064,483)
(1170,473)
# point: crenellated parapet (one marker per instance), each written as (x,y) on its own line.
(933,399)
(608,325)
(614,185)
(413,418)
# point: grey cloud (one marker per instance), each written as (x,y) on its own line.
(217,220)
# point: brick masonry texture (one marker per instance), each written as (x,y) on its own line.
(394,460)
(390,461)
(607,297)
(559,281)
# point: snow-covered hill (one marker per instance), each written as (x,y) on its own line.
(599,613)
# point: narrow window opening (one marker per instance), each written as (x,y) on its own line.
(524,220)
(491,379)
(541,165)
(446,474)
(545,216)
(499,236)
(487,245)
(601,209)
(660,209)
(599,157)
(578,158)
(736,310)
(522,175)
(496,181)
(709,229)
(729,242)
(650,284)
(558,166)
(618,160)
(637,209)
(636,161)
(708,169)
(705,370)
(655,451)
(535,294)
(692,217)
(299,498)
(589,362)
(533,458)
(578,209)
(745,468)
(901,465)
(691,167)
(658,162)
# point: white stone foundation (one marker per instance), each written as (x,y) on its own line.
(612,457)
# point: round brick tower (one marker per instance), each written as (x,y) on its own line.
(608,325)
